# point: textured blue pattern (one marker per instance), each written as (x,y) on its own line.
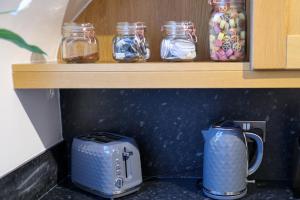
(94,166)
(91,166)
(225,162)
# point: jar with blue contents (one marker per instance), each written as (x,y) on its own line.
(130,44)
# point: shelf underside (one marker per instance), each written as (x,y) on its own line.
(150,75)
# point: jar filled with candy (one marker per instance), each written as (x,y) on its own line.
(79,43)
(179,42)
(130,44)
(227,30)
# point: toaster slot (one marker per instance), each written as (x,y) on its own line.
(126,156)
(101,137)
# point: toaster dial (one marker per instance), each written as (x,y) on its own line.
(119,183)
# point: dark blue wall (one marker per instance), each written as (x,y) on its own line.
(167,123)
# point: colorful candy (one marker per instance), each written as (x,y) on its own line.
(227,30)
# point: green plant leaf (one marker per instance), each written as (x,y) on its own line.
(18,40)
(7,12)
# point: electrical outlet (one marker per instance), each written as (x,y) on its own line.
(249,125)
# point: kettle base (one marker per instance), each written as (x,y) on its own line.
(219,196)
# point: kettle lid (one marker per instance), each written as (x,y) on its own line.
(226,124)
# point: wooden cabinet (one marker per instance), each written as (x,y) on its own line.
(273,38)
(275,34)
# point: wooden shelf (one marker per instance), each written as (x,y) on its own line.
(150,75)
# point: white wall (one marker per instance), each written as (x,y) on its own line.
(29,119)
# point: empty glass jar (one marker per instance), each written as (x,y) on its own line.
(130,43)
(179,41)
(79,43)
(227,30)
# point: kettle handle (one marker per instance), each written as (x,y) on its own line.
(260,152)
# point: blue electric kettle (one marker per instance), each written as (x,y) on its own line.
(225,168)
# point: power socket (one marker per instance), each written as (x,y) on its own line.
(248,125)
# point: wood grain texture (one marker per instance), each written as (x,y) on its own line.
(150,75)
(75,7)
(293,38)
(293,52)
(132,67)
(294,17)
(269,34)
(106,13)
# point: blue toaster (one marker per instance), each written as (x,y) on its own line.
(106,164)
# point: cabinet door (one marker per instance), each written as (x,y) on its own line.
(275,34)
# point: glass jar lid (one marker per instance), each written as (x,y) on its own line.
(77,28)
(180,28)
(131,28)
(220,2)
(227,3)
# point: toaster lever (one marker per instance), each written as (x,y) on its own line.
(126,155)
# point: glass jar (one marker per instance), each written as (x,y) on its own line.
(227,30)
(79,43)
(130,43)
(179,41)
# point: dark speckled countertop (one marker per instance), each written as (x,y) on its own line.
(170,189)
